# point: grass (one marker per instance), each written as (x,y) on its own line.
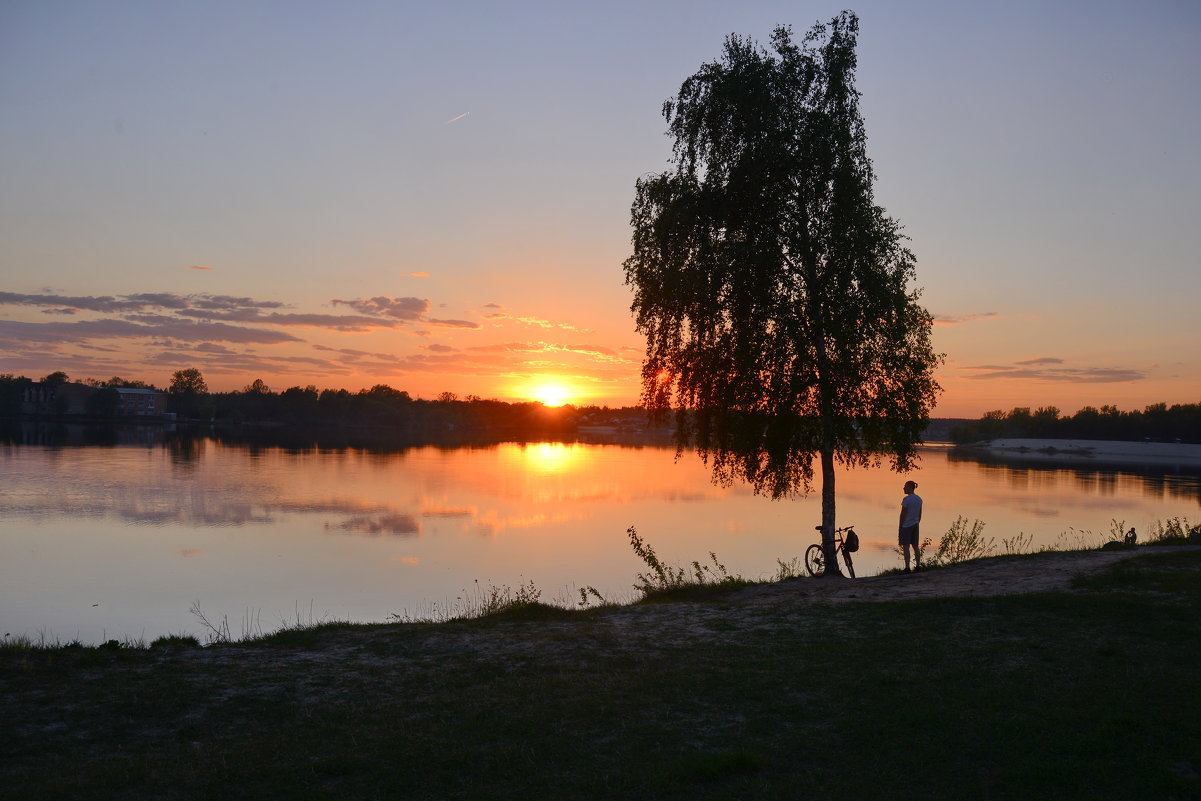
(963,542)
(1090,694)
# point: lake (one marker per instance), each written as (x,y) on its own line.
(120,540)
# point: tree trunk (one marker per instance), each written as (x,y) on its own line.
(828,524)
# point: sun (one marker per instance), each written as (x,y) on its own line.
(551,393)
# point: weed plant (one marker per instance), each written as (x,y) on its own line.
(175,641)
(664,579)
(1173,531)
(962,543)
(791,569)
(1021,543)
(477,603)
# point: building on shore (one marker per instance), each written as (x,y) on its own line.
(69,398)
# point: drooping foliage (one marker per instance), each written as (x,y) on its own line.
(773,292)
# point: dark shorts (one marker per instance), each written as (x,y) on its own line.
(908,536)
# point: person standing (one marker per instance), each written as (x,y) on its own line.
(907,532)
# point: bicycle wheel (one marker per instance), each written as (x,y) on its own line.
(815,560)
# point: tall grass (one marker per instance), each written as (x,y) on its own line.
(44,642)
(1020,543)
(479,601)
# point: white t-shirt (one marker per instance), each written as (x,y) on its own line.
(911,510)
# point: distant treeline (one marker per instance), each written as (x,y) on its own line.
(381,406)
(1158,422)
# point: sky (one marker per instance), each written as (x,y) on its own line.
(435,195)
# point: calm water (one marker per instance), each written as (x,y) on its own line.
(120,541)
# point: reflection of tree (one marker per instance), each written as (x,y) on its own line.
(393,523)
(186,451)
(1097,477)
(106,436)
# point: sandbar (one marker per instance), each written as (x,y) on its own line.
(1094,450)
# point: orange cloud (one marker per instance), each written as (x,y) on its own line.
(956,319)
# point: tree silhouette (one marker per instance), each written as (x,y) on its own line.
(189,393)
(772,290)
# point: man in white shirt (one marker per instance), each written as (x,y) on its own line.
(907,533)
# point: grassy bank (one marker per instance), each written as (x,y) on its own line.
(1090,694)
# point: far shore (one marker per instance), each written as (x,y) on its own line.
(1093,450)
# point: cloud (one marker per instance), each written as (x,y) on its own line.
(104,303)
(108,304)
(160,307)
(956,319)
(511,347)
(225,302)
(351,354)
(229,335)
(337,322)
(405,309)
(156,326)
(409,309)
(598,352)
(535,322)
(1039,370)
(196,267)
(222,362)
(452,323)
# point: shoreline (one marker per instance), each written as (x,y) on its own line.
(1092,450)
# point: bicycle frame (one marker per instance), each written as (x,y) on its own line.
(815,555)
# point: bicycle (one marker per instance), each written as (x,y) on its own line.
(845,540)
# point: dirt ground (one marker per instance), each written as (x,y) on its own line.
(1052,571)
(643,629)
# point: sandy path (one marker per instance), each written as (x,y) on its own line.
(1053,571)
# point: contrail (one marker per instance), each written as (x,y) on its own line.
(456,119)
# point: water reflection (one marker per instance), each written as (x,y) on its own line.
(148,529)
(1099,478)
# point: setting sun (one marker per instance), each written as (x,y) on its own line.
(551,394)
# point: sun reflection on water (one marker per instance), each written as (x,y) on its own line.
(549,457)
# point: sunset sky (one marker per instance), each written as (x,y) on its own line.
(435,195)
